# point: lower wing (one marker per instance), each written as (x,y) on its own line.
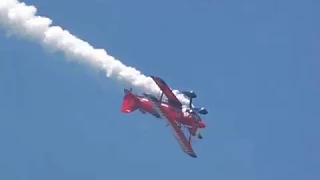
(181,138)
(179,135)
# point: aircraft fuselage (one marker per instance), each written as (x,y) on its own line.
(185,118)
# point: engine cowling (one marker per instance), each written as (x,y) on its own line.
(189,94)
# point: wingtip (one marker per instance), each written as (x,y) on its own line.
(159,80)
(193,155)
(153,77)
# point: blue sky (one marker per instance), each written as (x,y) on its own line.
(254,65)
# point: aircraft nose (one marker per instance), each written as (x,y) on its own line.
(202,124)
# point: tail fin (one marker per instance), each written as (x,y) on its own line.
(130,102)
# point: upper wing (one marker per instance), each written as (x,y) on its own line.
(167,91)
(179,135)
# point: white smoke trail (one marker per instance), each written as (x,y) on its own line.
(19,19)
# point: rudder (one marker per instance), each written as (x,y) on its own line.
(130,102)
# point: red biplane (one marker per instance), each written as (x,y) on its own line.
(172,110)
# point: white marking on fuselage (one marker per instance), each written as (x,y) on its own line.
(164,104)
(144,99)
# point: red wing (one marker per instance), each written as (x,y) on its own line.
(181,138)
(167,91)
(179,135)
